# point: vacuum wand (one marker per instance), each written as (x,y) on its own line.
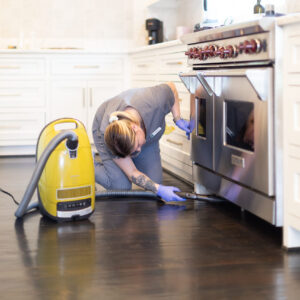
(200,197)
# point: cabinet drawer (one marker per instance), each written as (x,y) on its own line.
(293,48)
(172,63)
(143,83)
(22,66)
(20,128)
(16,94)
(87,66)
(143,66)
(177,140)
(174,154)
(177,167)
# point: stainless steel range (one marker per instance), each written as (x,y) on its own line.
(232,111)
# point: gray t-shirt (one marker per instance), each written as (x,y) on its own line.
(152,103)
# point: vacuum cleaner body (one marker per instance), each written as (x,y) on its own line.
(66,188)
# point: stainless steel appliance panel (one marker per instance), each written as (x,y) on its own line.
(202,115)
(256,203)
(244,146)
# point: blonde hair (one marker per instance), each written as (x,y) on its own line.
(119,135)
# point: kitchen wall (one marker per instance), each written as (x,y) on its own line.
(118,24)
(187,13)
(66,23)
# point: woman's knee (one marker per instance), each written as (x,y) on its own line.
(111,180)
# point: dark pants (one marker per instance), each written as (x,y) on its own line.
(111,177)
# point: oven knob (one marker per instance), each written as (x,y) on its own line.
(189,53)
(204,53)
(252,46)
(230,51)
(198,54)
(220,52)
(211,50)
(194,52)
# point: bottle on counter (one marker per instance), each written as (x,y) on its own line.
(270,10)
(258,8)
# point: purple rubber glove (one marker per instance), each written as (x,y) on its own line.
(167,193)
(184,125)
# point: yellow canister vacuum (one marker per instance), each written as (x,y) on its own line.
(64,173)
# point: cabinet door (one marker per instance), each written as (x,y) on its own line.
(69,99)
(99,92)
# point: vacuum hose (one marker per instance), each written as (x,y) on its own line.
(22,209)
(101,195)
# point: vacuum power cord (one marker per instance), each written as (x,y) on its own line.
(9,194)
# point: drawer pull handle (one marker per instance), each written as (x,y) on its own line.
(174,63)
(12,127)
(10,95)
(10,67)
(142,65)
(91,97)
(180,99)
(83,97)
(86,67)
(174,142)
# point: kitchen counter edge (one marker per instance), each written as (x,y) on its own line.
(288,19)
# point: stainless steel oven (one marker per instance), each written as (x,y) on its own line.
(232,111)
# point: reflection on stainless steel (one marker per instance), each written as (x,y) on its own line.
(232,105)
(257,79)
(205,84)
(257,203)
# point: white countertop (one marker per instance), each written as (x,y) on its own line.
(156,46)
(61,51)
(105,50)
(288,19)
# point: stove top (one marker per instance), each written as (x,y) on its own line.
(240,42)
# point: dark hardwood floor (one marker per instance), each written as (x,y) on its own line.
(141,250)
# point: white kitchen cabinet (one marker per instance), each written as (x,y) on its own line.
(13,66)
(81,83)
(154,65)
(143,69)
(80,99)
(19,128)
(37,87)
(291,135)
(68,99)
(86,65)
(22,102)
(99,92)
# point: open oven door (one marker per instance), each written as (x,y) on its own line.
(243,123)
(202,117)
(244,129)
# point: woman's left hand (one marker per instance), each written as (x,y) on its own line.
(184,125)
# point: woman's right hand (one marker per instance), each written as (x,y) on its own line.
(167,193)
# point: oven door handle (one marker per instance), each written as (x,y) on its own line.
(204,83)
(199,76)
